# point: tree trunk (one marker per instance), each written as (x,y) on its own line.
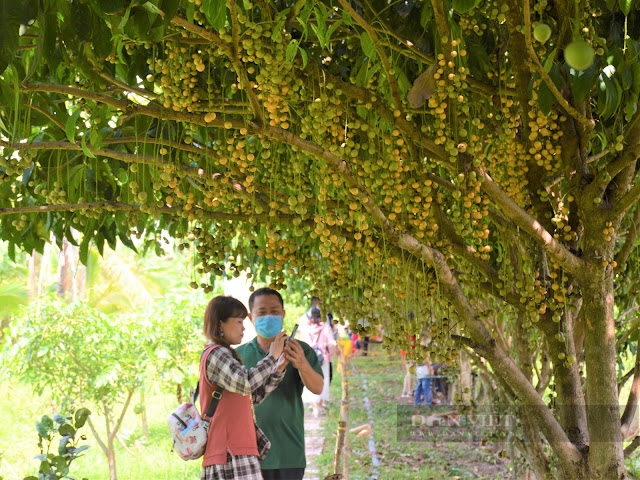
(143,415)
(570,402)
(606,459)
(44,267)
(65,271)
(465,378)
(111,458)
(35,263)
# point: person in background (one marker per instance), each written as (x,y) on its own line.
(424,372)
(319,335)
(281,414)
(335,337)
(233,444)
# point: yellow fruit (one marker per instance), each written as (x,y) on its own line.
(210,117)
(542,32)
(579,55)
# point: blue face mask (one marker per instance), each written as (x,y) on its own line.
(268,326)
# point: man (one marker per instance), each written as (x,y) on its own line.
(281,414)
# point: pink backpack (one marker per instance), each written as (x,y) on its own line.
(189,431)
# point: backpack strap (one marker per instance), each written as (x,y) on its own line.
(217,394)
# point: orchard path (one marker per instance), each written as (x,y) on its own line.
(314,443)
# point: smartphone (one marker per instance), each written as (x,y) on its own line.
(293,333)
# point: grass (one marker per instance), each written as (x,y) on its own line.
(154,459)
(20,409)
(398,459)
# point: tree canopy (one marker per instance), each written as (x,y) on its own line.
(470,162)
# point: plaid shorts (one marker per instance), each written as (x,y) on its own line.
(238,467)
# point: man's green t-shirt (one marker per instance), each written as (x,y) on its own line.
(281,414)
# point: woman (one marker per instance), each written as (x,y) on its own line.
(319,335)
(232,444)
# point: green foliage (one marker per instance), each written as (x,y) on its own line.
(277,139)
(76,351)
(58,440)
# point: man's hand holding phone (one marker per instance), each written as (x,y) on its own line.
(283,361)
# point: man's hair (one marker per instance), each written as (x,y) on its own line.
(315,300)
(264,291)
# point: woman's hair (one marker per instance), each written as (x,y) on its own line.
(219,310)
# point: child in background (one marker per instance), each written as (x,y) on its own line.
(424,373)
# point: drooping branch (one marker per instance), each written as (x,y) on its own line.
(119,83)
(535,62)
(119,206)
(391,76)
(131,108)
(47,114)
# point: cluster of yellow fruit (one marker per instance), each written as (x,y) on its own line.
(16,164)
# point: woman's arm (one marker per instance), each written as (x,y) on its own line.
(224,370)
(261,392)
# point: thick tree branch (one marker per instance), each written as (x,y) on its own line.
(204,33)
(122,412)
(634,394)
(626,202)
(629,242)
(96,436)
(522,219)
(632,447)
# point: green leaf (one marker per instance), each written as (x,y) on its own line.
(321,27)
(545,97)
(85,149)
(216,13)
(10,19)
(626,75)
(582,82)
(81,416)
(426,15)
(609,96)
(70,126)
(548,63)
(101,35)
(625,6)
(170,8)
(45,468)
(67,430)
(291,51)
(464,6)
(277,29)
(319,35)
(44,426)
(368,46)
(150,7)
(331,31)
(305,13)
(303,54)
(49,44)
